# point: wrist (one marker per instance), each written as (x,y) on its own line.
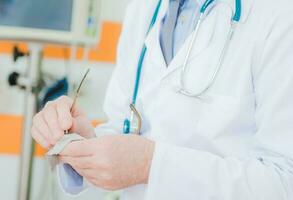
(150,148)
(88,131)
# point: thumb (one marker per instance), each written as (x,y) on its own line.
(63,106)
(82,126)
(77,149)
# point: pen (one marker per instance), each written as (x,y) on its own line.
(77,94)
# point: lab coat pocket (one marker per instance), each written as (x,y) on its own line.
(227,116)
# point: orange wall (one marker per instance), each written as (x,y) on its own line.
(10,134)
(104,51)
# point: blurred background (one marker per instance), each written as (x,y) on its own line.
(45,48)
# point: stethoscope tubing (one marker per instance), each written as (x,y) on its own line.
(236,18)
(190,47)
(142,55)
(183,89)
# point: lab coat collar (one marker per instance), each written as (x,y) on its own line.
(246,8)
(153,39)
(204,42)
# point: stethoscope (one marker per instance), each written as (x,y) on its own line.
(133,124)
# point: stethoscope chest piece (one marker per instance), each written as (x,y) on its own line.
(126,126)
(133,124)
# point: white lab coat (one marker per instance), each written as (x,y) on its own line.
(236,142)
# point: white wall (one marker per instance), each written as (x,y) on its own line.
(113,10)
(91,100)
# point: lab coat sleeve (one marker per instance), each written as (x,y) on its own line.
(183,173)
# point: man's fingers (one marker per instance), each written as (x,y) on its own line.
(77,149)
(82,124)
(51,118)
(39,138)
(41,126)
(63,107)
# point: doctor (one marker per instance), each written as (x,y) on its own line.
(210,97)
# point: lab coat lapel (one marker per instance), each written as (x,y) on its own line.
(203,40)
(246,8)
(152,41)
(205,35)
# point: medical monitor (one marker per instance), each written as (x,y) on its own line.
(54,21)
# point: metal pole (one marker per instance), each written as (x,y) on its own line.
(31,94)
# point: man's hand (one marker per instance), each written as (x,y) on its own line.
(50,123)
(111,162)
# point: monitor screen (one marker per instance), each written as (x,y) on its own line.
(39,14)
